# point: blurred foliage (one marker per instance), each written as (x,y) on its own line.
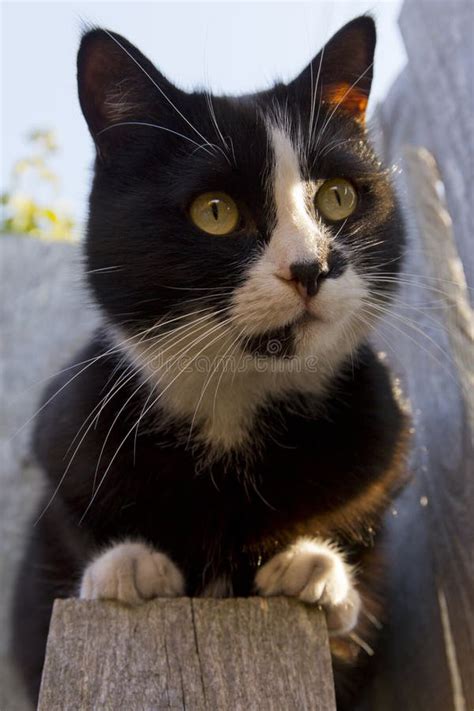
(22,214)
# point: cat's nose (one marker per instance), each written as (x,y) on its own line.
(308,277)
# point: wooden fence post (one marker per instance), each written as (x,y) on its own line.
(201,654)
(425,129)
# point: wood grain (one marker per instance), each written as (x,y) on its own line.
(438,41)
(236,654)
(40,297)
(425,129)
(452,442)
(427,655)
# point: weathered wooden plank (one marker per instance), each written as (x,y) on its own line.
(436,230)
(438,40)
(106,656)
(429,643)
(452,499)
(40,297)
(240,654)
(432,103)
(263,654)
(427,655)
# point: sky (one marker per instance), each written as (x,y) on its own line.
(227,46)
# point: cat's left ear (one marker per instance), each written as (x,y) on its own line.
(118,87)
(341,74)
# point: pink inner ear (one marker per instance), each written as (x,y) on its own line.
(347,98)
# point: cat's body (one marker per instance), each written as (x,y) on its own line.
(266,472)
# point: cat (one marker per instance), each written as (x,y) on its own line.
(228,431)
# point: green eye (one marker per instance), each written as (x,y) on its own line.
(215,213)
(336,199)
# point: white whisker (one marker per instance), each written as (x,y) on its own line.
(157,86)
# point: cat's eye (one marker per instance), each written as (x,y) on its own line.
(215,213)
(336,199)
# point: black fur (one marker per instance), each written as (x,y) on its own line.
(317,459)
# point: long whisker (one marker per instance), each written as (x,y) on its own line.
(157,126)
(218,359)
(171,362)
(212,114)
(130,372)
(341,100)
(157,86)
(174,359)
(122,381)
(224,323)
(390,315)
(153,404)
(196,288)
(85,434)
(420,276)
(112,268)
(406,282)
(235,343)
(89,362)
(191,330)
(314,95)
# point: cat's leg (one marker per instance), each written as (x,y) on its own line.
(50,569)
(314,571)
(132,573)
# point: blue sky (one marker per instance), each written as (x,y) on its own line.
(227,46)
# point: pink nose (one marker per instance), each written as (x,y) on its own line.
(306,276)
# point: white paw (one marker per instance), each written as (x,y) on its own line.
(131,573)
(314,572)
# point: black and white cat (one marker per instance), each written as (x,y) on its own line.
(228,431)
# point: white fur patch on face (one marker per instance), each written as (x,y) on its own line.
(131,573)
(297,237)
(314,571)
(269,300)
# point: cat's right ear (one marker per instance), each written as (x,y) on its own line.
(118,86)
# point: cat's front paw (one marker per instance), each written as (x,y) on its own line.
(314,572)
(131,573)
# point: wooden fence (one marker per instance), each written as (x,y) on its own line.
(198,654)
(425,126)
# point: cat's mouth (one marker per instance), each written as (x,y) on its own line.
(280,342)
(307,317)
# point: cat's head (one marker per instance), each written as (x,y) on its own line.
(267,215)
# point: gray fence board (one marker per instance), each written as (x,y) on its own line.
(429,644)
(438,39)
(427,656)
(199,654)
(44,319)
